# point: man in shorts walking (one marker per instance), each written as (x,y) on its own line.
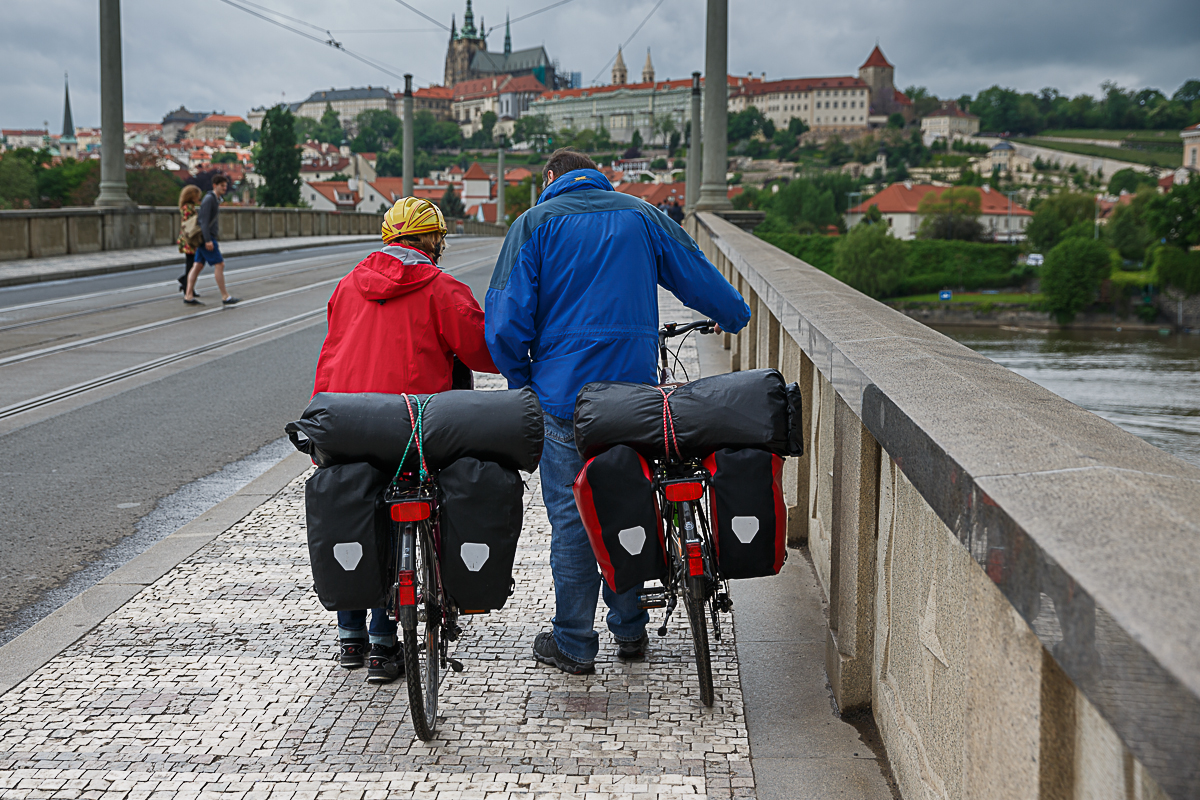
(210,251)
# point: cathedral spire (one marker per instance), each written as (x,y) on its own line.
(507,35)
(620,75)
(468,28)
(482,29)
(453,29)
(68,146)
(648,69)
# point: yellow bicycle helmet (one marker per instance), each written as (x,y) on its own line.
(411,216)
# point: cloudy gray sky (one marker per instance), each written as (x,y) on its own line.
(209,56)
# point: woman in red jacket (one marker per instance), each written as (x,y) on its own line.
(396,324)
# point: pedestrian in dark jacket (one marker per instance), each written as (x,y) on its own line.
(210,251)
(675,212)
(574,299)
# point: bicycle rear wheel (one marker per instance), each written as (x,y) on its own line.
(695,602)
(422,653)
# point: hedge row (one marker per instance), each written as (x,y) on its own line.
(929,264)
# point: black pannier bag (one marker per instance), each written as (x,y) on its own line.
(505,427)
(616,499)
(479,506)
(348,536)
(734,410)
(748,515)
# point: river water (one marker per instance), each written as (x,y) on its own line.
(1144,382)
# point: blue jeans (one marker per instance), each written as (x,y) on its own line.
(576,576)
(353,624)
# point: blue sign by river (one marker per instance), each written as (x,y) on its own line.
(945,294)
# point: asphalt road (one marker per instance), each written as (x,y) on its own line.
(114,395)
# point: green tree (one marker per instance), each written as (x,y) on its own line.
(1072,274)
(870,259)
(329,128)
(487,124)
(1127,230)
(18,183)
(224,158)
(306,128)
(1129,180)
(378,130)
(1174,217)
(895,120)
(952,214)
(1057,214)
(241,132)
(451,204)
(532,128)
(278,160)
(1178,268)
(837,152)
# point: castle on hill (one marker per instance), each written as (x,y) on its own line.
(467,57)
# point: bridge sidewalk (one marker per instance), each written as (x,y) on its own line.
(203,669)
(54,268)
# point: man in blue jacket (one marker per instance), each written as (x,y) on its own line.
(574,299)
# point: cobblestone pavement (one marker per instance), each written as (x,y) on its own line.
(218,681)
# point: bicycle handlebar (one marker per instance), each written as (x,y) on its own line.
(671,329)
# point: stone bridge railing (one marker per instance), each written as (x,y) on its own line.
(62,231)
(1013,583)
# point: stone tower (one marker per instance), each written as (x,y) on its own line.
(648,70)
(68,146)
(878,74)
(465,42)
(620,75)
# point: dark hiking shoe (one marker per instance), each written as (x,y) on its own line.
(352,653)
(385,664)
(229,301)
(633,651)
(545,650)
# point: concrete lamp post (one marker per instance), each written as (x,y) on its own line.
(113,192)
(713,192)
(694,160)
(408,137)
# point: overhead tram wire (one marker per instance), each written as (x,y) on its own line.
(423,14)
(532,14)
(627,41)
(330,42)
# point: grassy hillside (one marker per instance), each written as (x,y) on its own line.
(1102,133)
(1153,158)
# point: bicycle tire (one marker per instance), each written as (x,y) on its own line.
(694,602)
(421,671)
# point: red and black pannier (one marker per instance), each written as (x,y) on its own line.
(749,517)
(616,499)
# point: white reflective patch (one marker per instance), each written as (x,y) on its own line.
(474,555)
(633,539)
(745,528)
(348,554)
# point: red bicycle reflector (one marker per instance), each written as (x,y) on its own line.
(411,511)
(408,594)
(684,492)
(695,559)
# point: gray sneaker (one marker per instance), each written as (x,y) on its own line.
(385,664)
(633,651)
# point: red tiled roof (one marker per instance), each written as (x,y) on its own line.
(487,87)
(799,85)
(432,92)
(684,83)
(517,174)
(902,98)
(476,173)
(130,127)
(337,166)
(330,189)
(221,118)
(900,198)
(876,59)
(951,109)
(655,193)
(489,211)
(393,188)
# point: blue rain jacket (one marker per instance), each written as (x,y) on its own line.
(574,297)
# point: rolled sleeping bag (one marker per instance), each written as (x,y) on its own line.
(504,427)
(754,408)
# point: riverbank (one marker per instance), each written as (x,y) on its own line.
(1018,315)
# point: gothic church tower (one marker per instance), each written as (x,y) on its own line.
(464,44)
(620,75)
(648,69)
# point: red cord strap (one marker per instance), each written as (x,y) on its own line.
(669,426)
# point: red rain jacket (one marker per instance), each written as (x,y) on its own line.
(395,324)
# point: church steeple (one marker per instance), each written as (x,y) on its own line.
(468,28)
(648,69)
(482,29)
(620,75)
(67,145)
(453,29)
(507,35)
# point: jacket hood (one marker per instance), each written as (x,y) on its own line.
(575,180)
(393,271)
